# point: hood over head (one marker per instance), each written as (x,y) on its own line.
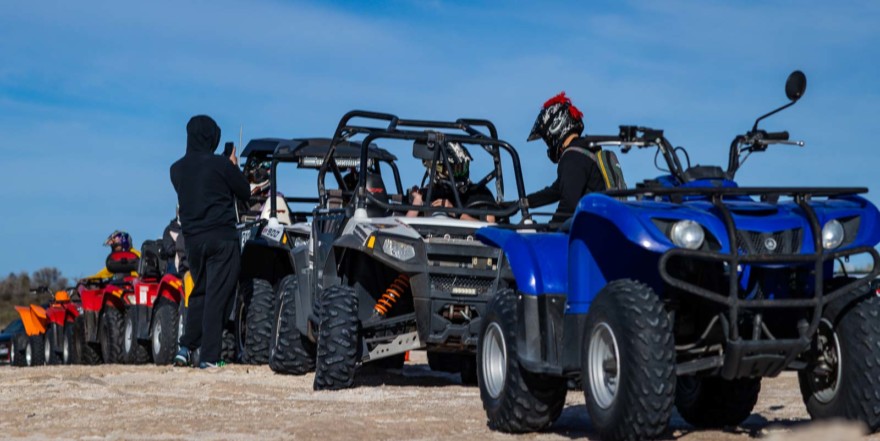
(202,134)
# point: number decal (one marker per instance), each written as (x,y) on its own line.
(273,233)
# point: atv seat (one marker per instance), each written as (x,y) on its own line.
(376,187)
(122,262)
(151,264)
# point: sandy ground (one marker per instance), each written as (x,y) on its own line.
(250,402)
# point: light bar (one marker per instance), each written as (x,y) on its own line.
(316,161)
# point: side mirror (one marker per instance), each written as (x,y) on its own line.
(795,85)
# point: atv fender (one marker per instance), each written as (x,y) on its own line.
(113,297)
(171,288)
(595,212)
(71,312)
(262,259)
(56,314)
(539,261)
(34,319)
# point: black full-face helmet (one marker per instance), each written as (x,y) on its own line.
(460,160)
(256,169)
(558,119)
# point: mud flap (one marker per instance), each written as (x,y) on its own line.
(142,318)
(91,326)
(541,325)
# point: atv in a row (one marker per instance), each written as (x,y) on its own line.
(685,291)
(42,338)
(372,282)
(275,242)
(130,318)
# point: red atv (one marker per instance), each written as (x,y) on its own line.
(59,337)
(152,316)
(99,329)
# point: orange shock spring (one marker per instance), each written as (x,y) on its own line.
(392,295)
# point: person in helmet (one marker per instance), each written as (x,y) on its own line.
(119,242)
(442,195)
(560,124)
(256,170)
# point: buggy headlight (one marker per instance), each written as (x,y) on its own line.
(687,234)
(299,241)
(398,250)
(832,234)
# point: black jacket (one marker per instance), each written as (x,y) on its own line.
(576,175)
(207,185)
(174,248)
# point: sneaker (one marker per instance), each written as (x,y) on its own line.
(209,365)
(182,357)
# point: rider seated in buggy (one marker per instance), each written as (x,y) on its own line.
(258,171)
(442,195)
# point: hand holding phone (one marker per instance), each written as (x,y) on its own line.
(229,152)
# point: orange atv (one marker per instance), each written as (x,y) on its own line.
(29,349)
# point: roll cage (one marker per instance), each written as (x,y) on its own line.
(431,134)
(312,153)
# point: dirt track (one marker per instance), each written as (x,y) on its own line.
(250,402)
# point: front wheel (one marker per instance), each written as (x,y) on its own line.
(51,349)
(843,378)
(163,332)
(36,350)
(515,399)
(293,353)
(69,354)
(18,354)
(89,354)
(338,338)
(110,335)
(628,362)
(255,318)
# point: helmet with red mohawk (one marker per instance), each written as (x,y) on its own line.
(558,120)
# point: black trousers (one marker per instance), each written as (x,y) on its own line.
(214,265)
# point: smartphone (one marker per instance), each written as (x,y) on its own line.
(227,149)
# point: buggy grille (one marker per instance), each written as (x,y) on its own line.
(778,242)
(460,285)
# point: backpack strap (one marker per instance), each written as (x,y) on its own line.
(582,151)
(608,164)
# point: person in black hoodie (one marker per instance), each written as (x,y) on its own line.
(560,124)
(207,186)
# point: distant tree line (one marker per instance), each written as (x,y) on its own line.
(15,290)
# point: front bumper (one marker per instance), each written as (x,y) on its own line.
(759,356)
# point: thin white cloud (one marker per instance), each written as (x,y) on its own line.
(106,88)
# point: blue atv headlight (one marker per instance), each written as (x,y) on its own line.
(832,234)
(687,234)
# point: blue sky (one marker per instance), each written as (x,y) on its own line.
(95,95)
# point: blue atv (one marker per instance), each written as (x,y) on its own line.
(685,291)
